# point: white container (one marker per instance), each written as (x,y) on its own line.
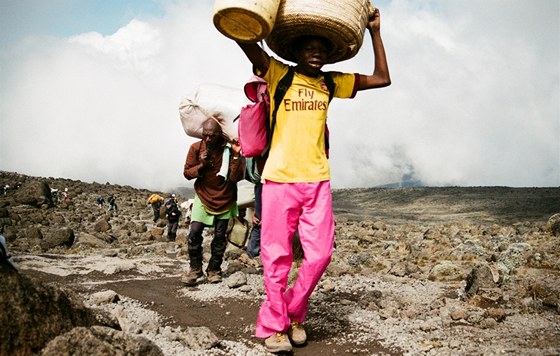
(245,21)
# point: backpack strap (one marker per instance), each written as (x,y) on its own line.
(281,90)
(329,82)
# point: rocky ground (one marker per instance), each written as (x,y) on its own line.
(416,271)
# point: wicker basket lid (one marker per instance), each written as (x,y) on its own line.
(343,22)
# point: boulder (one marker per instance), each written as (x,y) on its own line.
(157,232)
(34,233)
(480,277)
(62,237)
(140,228)
(198,338)
(445,270)
(547,293)
(553,225)
(100,340)
(89,240)
(34,193)
(39,313)
(236,280)
(102,226)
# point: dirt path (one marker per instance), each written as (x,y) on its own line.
(229,318)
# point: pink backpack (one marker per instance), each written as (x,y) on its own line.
(253,118)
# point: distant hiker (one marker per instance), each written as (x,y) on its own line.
(173,214)
(172,199)
(55,195)
(155,201)
(112,204)
(217,166)
(297,190)
(100,201)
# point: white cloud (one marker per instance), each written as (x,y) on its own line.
(474,100)
(133,47)
(470,103)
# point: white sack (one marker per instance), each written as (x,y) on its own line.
(212,100)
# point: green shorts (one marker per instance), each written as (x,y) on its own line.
(200,214)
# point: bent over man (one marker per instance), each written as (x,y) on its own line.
(217,166)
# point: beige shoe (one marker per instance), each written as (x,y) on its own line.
(297,334)
(214,277)
(278,343)
(189,279)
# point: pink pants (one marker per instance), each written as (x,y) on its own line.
(285,207)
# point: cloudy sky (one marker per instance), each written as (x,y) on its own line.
(90,90)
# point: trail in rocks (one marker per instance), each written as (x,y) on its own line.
(396,284)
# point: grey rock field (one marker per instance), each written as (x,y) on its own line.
(415,271)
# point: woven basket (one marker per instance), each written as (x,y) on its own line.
(245,20)
(343,22)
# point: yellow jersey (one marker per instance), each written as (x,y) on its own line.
(297,152)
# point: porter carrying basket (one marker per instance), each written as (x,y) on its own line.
(343,22)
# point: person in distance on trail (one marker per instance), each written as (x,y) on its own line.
(297,192)
(173,213)
(156,202)
(217,166)
(112,204)
(100,201)
(172,199)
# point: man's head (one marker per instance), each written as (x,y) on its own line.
(212,133)
(311,53)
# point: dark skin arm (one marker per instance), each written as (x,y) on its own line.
(380,77)
(257,56)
